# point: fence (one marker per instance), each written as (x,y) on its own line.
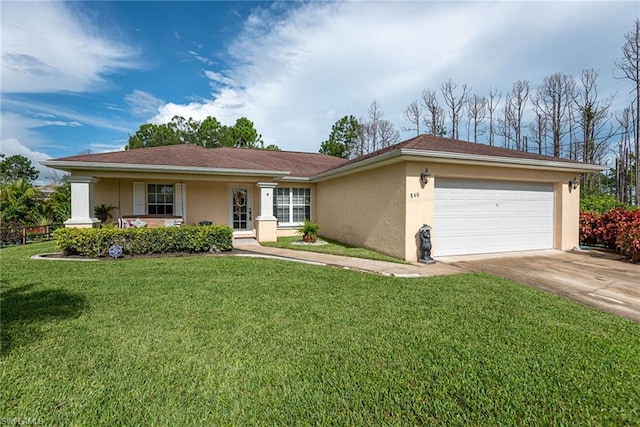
(19,235)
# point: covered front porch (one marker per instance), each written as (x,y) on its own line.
(248,206)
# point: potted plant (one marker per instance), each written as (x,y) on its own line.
(309,231)
(103,212)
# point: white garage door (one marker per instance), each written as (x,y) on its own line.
(474,217)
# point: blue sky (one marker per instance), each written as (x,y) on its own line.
(82,76)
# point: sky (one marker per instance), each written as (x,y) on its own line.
(80,77)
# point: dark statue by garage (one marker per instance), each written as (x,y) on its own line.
(425,245)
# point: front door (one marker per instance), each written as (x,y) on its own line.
(241,217)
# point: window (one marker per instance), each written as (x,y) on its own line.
(292,205)
(160,199)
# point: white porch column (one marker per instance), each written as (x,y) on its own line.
(266,200)
(266,223)
(82,214)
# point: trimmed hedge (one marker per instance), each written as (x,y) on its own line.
(617,229)
(95,242)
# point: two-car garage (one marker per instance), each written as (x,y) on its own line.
(483,216)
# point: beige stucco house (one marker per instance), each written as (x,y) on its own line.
(477,198)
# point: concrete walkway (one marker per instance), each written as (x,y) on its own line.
(253,248)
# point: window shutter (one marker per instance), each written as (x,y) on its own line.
(138,198)
(180,200)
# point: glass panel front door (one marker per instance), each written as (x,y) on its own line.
(240,209)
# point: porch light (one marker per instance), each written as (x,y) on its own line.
(573,184)
(425,176)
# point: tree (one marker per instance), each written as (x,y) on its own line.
(625,162)
(538,128)
(492,103)
(59,202)
(343,138)
(376,131)
(152,135)
(433,117)
(630,66)
(553,99)
(518,100)
(16,167)
(413,114)
(209,134)
(18,200)
(242,135)
(592,118)
(455,100)
(476,107)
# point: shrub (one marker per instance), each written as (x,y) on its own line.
(600,203)
(617,229)
(95,242)
(611,223)
(628,239)
(589,223)
(309,231)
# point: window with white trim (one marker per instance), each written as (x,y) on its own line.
(160,199)
(292,205)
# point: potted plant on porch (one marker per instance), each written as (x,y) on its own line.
(309,231)
(103,212)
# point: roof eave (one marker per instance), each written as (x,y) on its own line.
(461,158)
(98,166)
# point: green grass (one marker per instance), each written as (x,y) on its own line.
(332,247)
(243,341)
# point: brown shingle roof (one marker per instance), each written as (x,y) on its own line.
(187,155)
(302,165)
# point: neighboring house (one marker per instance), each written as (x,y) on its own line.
(48,190)
(477,198)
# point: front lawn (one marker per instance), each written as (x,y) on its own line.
(223,340)
(332,247)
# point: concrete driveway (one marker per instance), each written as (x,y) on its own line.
(595,278)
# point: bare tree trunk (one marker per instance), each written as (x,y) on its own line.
(476,108)
(492,104)
(413,114)
(553,98)
(518,96)
(433,118)
(454,101)
(630,66)
(377,132)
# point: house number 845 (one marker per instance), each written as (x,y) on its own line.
(414,195)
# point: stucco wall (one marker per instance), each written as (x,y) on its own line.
(384,208)
(366,209)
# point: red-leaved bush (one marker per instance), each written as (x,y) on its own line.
(617,229)
(589,222)
(628,241)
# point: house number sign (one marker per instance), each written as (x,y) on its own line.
(414,195)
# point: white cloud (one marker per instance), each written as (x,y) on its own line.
(48,48)
(201,58)
(295,74)
(101,147)
(143,104)
(219,78)
(38,108)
